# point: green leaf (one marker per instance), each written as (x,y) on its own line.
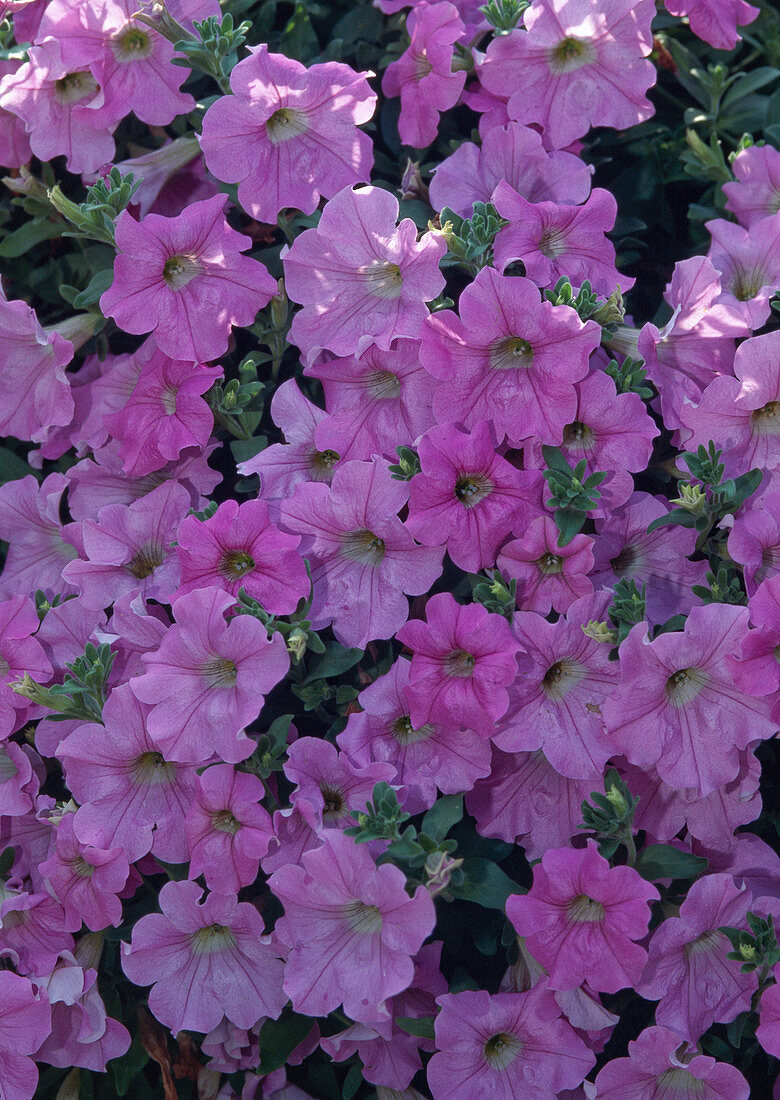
(569,522)
(747,83)
(12,467)
(96,286)
(24,238)
(444,813)
(419,1026)
(279,1038)
(335,661)
(485,883)
(128,1066)
(676,518)
(663,861)
(352,1082)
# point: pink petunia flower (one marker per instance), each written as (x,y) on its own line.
(288,135)
(715,21)
(238,547)
(504,1047)
(39,545)
(14,144)
(757,670)
(548,575)
(20,653)
(755,192)
(581,919)
(351,928)
(754,541)
(25,1021)
(768,1030)
(85,880)
(185,280)
(467,496)
(463,659)
(130,795)
(207,959)
(228,831)
(208,679)
(677,706)
(507,351)
(749,263)
(363,559)
(554,240)
(579,63)
(361,279)
(688,972)
(422,76)
(657,1064)
(432,756)
(330,782)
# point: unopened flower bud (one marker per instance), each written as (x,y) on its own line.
(599,632)
(692,497)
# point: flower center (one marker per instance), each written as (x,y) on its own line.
(152,769)
(766,421)
(363,546)
(459,663)
(132,44)
(323,461)
(552,242)
(502,1049)
(422,66)
(180,270)
(470,489)
(383,385)
(514,353)
(8,769)
(383,279)
(74,87)
(570,54)
(212,938)
(224,822)
(236,565)
(678,1082)
(362,918)
(585,910)
(560,678)
(746,283)
(627,557)
(684,685)
(335,806)
(219,673)
(144,561)
(284,124)
(707,941)
(405,733)
(577,436)
(81,867)
(5,668)
(168,398)
(550,564)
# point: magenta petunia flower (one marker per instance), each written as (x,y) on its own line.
(504,1047)
(129,549)
(207,959)
(351,928)
(463,659)
(506,351)
(433,756)
(20,653)
(554,240)
(85,880)
(677,706)
(39,544)
(228,831)
(579,63)
(755,192)
(185,280)
(363,560)
(548,575)
(14,144)
(376,403)
(130,795)
(754,541)
(165,413)
(238,547)
(715,21)
(513,153)
(25,1021)
(757,670)
(208,679)
(659,1066)
(688,971)
(581,919)
(330,782)
(768,1030)
(422,76)
(467,496)
(288,134)
(361,279)
(749,263)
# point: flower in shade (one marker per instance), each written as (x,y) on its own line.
(715,21)
(577,64)
(504,1047)
(351,929)
(129,794)
(755,191)
(581,919)
(25,1021)
(553,241)
(85,880)
(20,654)
(361,279)
(768,1030)
(677,706)
(659,1066)
(749,263)
(185,280)
(208,679)
(207,959)
(363,559)
(238,547)
(422,76)
(508,351)
(754,541)
(463,659)
(39,544)
(289,134)
(757,669)
(688,971)
(329,781)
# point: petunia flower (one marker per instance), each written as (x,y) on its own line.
(755,191)
(20,654)
(85,880)
(25,1021)
(715,21)
(749,263)
(548,575)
